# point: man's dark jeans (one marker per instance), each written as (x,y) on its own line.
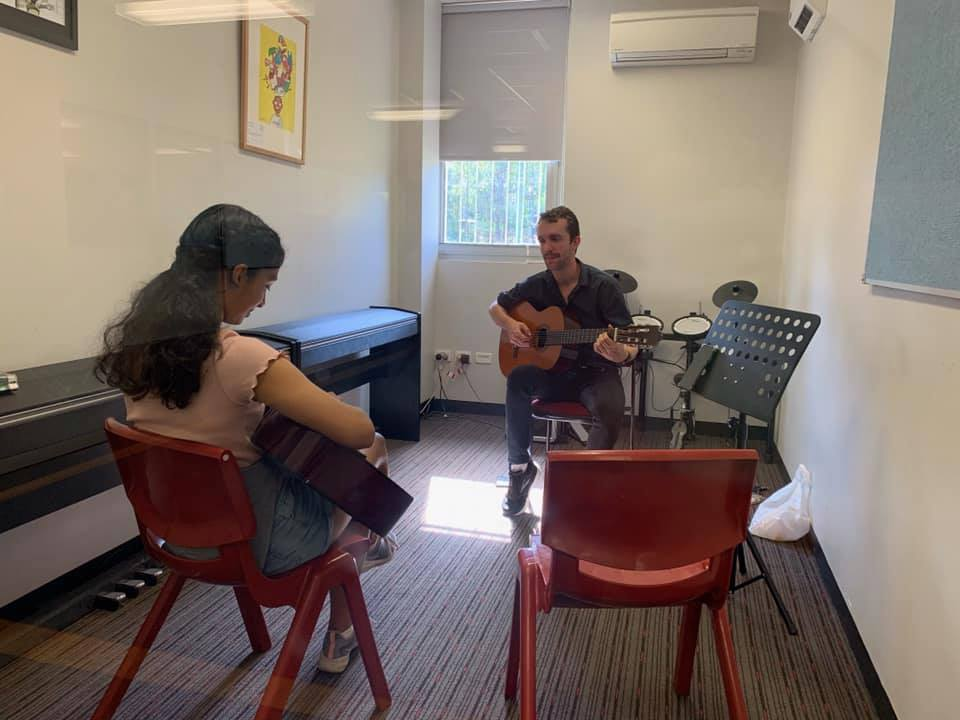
(599,389)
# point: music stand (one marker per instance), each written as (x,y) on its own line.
(756,349)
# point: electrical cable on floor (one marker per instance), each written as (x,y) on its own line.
(443,395)
(653,385)
(483,422)
(426,408)
(667,362)
(466,377)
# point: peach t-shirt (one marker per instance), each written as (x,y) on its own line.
(223,413)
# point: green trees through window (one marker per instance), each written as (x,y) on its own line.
(494,202)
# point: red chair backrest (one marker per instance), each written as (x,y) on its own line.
(188,493)
(647,509)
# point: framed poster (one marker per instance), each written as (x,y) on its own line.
(273,87)
(53,21)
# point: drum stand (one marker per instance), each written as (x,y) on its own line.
(756,349)
(638,404)
(638,395)
(683,429)
(686,427)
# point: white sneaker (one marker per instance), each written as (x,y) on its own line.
(379,553)
(338,648)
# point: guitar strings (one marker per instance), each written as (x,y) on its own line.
(580,335)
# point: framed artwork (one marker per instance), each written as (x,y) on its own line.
(53,21)
(273,87)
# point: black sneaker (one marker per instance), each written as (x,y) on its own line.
(520,483)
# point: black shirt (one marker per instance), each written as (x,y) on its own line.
(595,302)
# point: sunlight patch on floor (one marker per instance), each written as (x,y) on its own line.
(471,509)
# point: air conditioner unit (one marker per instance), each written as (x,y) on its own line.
(806,16)
(683,37)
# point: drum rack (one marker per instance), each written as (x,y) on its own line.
(685,428)
(688,329)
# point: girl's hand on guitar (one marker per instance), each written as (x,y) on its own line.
(613,351)
(520,335)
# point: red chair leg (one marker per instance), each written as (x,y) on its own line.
(368,646)
(253,620)
(141,646)
(291,655)
(528,642)
(513,656)
(736,703)
(687,647)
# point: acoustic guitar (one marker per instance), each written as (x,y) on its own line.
(554,336)
(340,474)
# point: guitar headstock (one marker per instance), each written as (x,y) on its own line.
(643,336)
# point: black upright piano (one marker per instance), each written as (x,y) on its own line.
(380,346)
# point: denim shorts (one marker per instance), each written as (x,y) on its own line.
(301,527)
(294,521)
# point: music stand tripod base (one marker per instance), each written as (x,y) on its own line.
(757,348)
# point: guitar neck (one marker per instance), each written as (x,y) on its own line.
(573,336)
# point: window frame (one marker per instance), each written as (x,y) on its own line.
(495,250)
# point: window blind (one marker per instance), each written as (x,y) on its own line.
(506,72)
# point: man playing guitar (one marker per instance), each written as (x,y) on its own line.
(591,374)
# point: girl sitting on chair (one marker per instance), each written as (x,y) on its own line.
(184,375)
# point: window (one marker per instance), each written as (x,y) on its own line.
(495,202)
(503,69)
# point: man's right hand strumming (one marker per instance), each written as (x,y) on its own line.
(519,334)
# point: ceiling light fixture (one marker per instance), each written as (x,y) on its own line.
(413,114)
(187,12)
(507,149)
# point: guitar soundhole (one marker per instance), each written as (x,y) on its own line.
(541,338)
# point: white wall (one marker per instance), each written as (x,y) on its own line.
(678,176)
(870,408)
(92,209)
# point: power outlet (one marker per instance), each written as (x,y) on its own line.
(484,358)
(442,355)
(463,357)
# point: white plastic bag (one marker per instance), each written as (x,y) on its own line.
(785,515)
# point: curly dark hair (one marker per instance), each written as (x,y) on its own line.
(561,212)
(160,344)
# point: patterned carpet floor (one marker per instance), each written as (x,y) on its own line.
(441,612)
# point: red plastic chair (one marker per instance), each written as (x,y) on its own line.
(559,411)
(192,495)
(650,528)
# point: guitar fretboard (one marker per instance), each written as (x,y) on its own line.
(573,336)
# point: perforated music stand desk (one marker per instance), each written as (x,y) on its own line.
(757,348)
